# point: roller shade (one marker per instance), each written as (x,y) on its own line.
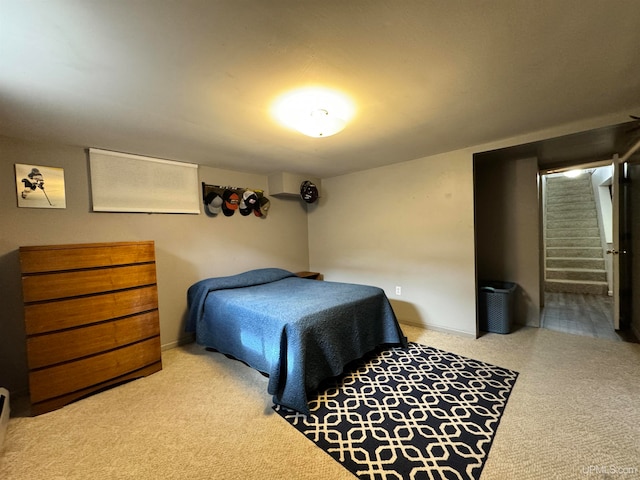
(122,182)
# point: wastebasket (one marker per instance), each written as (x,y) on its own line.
(496,301)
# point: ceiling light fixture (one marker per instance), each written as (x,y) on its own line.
(314,111)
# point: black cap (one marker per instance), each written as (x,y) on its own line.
(308,191)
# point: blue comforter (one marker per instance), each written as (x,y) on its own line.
(298,331)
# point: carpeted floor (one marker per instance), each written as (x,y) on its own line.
(573,414)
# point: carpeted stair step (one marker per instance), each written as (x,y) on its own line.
(573,207)
(574,242)
(569,262)
(569,197)
(581,214)
(562,181)
(575,252)
(572,232)
(579,274)
(571,286)
(556,190)
(572,223)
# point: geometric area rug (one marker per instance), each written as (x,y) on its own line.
(408,413)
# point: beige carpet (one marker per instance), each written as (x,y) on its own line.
(574,413)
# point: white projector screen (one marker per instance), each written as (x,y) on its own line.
(121,182)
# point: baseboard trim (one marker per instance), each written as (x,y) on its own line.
(181,341)
(436,328)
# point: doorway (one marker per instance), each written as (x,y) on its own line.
(582,291)
(508,208)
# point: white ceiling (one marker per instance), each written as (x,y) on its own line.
(193,80)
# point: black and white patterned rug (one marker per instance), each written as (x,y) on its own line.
(415,413)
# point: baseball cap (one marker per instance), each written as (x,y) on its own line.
(230,202)
(308,191)
(248,203)
(262,208)
(213,202)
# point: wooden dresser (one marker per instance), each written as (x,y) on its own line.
(91,317)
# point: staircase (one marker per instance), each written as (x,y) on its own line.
(574,260)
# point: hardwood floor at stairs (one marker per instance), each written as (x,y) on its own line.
(582,314)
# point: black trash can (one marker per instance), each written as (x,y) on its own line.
(496,304)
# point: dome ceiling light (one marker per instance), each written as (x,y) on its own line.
(314,111)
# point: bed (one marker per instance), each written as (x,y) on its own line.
(296,331)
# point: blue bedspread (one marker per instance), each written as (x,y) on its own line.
(298,331)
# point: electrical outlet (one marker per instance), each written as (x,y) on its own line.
(398,290)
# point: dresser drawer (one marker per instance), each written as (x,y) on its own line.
(55,258)
(52,286)
(59,347)
(74,312)
(69,377)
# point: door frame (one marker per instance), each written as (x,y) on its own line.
(618,177)
(614,163)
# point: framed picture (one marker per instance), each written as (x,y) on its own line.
(40,187)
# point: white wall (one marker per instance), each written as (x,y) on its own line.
(188,247)
(407,225)
(601,180)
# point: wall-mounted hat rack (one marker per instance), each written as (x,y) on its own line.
(227,199)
